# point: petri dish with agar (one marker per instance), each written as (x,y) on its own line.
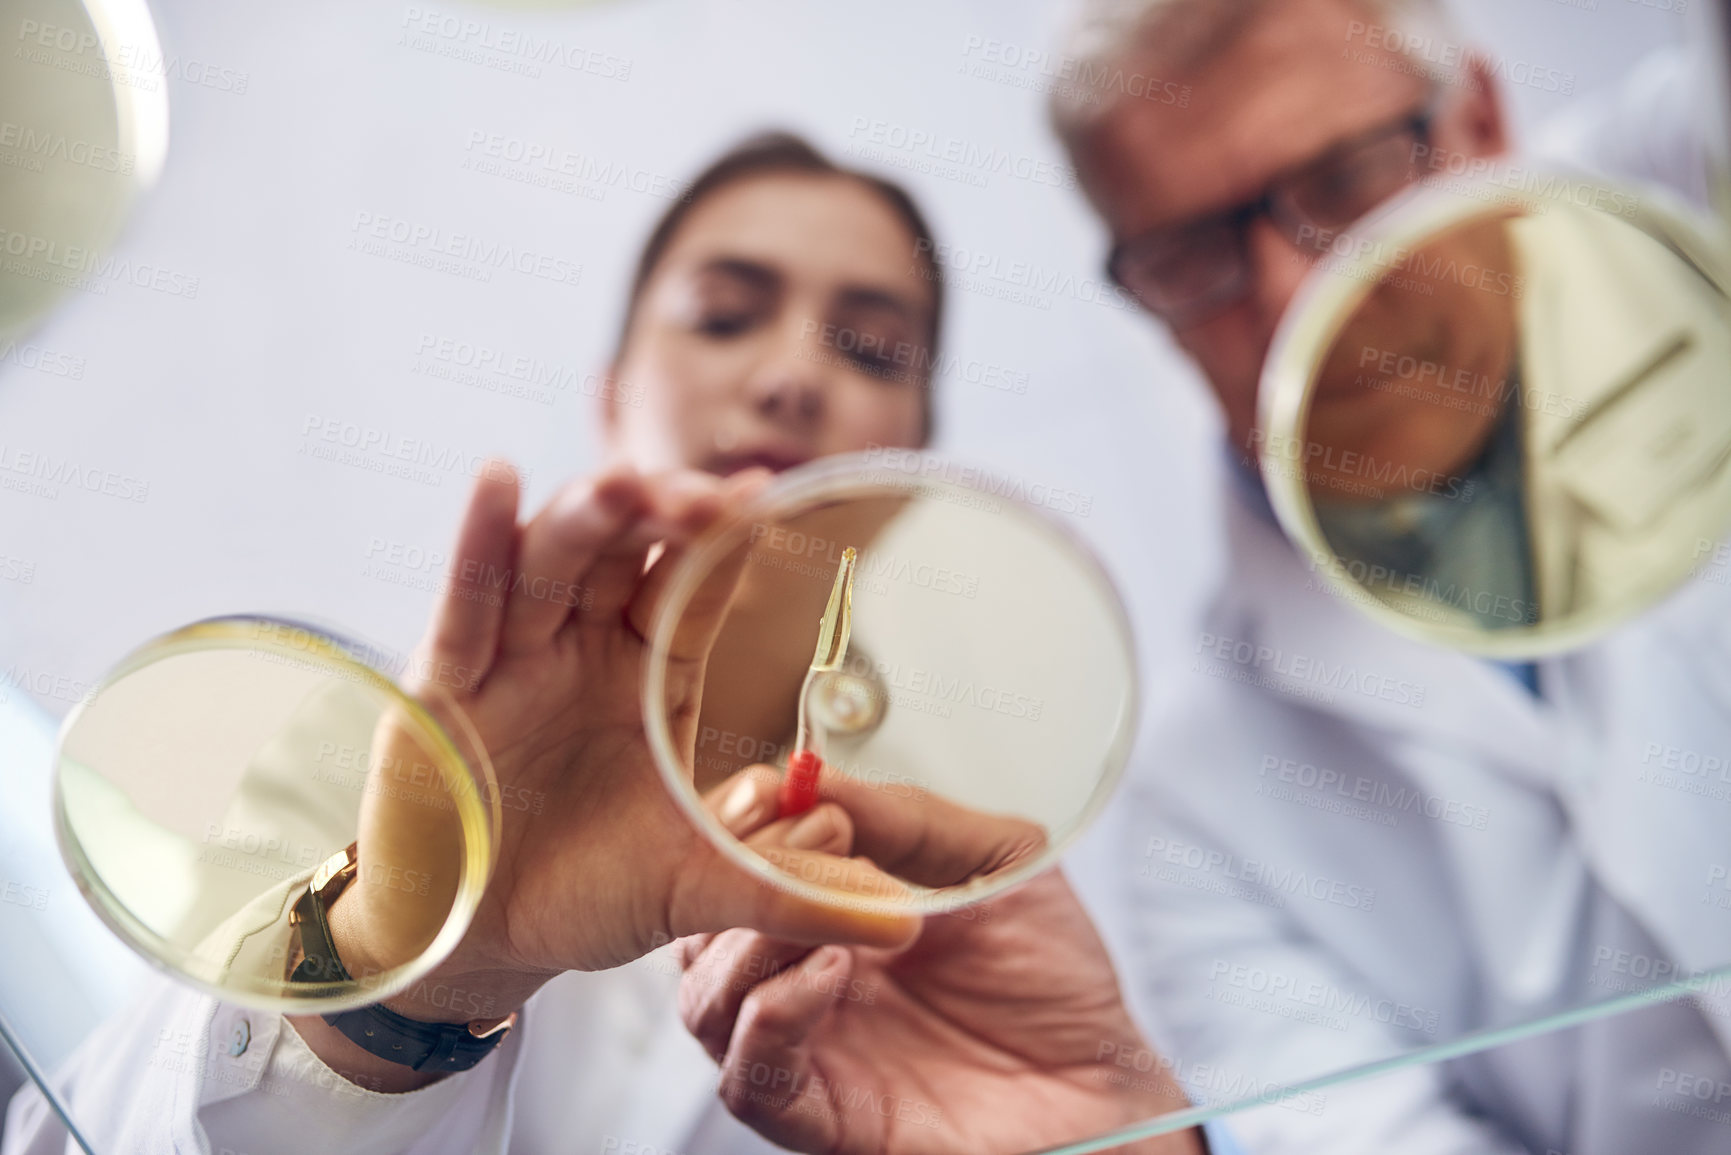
(1516,462)
(973,668)
(216,770)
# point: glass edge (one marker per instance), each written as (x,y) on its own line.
(1468,1044)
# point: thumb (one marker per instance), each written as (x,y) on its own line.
(769,1068)
(719,895)
(459,646)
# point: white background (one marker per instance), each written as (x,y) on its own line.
(207,399)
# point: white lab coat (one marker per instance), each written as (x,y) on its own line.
(1344,845)
(1565,863)
(599,1064)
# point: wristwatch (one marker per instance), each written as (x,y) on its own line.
(377,1029)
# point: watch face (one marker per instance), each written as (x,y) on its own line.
(313,955)
(219,772)
(333,874)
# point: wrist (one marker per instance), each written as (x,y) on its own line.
(455,991)
(450,994)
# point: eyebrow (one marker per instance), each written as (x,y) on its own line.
(866,297)
(766,277)
(755,273)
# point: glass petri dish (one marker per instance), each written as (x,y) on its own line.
(206,778)
(985,703)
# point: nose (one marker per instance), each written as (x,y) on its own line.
(1278,266)
(789,386)
(788,398)
(1236,345)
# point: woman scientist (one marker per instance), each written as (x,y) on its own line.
(772,246)
(770,243)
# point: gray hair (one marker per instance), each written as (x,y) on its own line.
(1189,31)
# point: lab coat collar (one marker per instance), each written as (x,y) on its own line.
(1279,627)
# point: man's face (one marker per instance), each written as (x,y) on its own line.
(1300,78)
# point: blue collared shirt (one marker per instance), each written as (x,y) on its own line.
(1219,1139)
(1500,519)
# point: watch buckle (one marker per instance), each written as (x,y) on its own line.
(499,1027)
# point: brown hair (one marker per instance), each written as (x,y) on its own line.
(768,153)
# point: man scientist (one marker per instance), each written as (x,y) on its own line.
(1304,116)
(1273,943)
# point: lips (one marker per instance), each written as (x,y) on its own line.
(774,460)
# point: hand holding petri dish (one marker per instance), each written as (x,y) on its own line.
(968,708)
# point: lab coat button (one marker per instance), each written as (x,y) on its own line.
(240,1038)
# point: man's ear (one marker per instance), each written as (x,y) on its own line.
(1474,121)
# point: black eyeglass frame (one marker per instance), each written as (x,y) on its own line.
(1277,202)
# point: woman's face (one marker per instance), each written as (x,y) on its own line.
(788,318)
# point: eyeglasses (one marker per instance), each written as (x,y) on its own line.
(1189,272)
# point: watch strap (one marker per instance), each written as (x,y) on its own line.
(377,1029)
(419,1045)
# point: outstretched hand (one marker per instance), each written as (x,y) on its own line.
(546,626)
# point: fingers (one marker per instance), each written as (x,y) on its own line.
(897,840)
(923,839)
(746,805)
(587,549)
(679,505)
(707,609)
(927,839)
(469,619)
(771,1034)
(825,829)
(746,800)
(721,969)
(688,948)
(714,894)
(558,548)
(720,976)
